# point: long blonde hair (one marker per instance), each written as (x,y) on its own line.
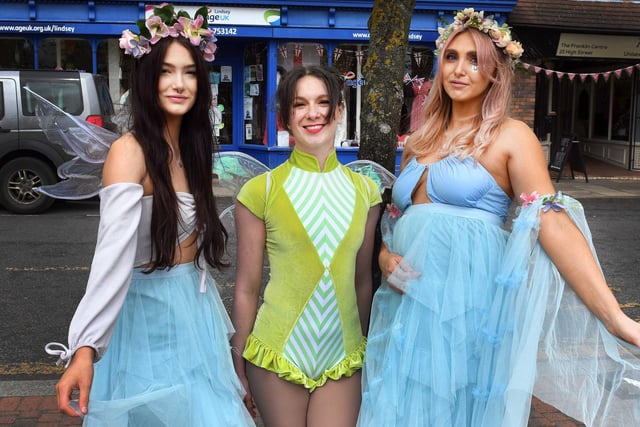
(473,138)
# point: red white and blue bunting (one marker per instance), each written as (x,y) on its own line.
(582,76)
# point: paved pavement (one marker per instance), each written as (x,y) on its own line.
(33,403)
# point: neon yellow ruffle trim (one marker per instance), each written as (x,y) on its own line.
(259,354)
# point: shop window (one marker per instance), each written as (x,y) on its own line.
(582,109)
(221,111)
(348,59)
(65,54)
(621,111)
(254,86)
(601,116)
(297,54)
(16,53)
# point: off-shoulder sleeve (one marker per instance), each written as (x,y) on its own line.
(95,317)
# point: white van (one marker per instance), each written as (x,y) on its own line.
(27,158)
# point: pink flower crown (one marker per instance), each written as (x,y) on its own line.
(165,22)
(499,34)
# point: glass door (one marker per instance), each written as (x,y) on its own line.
(221,110)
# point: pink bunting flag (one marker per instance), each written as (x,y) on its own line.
(337,53)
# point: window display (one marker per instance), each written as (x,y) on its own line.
(254,98)
(221,110)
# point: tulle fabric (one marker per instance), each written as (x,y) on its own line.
(421,360)
(489,322)
(543,340)
(168,363)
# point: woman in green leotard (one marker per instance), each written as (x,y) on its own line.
(299,354)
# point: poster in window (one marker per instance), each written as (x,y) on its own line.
(248,108)
(225,73)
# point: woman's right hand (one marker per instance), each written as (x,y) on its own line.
(395,270)
(78,376)
(248,397)
(239,365)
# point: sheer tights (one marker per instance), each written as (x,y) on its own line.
(284,404)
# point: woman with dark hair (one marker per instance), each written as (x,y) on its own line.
(472,318)
(299,354)
(148,344)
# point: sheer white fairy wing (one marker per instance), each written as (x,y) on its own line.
(76,188)
(376,172)
(76,137)
(80,180)
(82,175)
(234,168)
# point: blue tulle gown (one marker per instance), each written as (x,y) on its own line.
(489,321)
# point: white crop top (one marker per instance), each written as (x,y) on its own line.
(186,225)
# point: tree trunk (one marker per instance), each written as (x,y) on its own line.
(383,72)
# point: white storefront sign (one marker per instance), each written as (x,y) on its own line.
(598,46)
(223,15)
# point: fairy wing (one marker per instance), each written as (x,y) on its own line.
(375,171)
(76,137)
(89,143)
(234,168)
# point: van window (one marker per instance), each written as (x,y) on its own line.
(1,101)
(106,105)
(66,94)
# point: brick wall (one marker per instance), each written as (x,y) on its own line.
(523,98)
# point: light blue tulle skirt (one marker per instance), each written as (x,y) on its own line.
(421,359)
(487,324)
(168,363)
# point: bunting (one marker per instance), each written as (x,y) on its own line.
(337,53)
(283,50)
(417,56)
(582,76)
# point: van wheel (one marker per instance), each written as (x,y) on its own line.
(18,178)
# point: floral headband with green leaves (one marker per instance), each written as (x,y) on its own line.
(165,22)
(499,34)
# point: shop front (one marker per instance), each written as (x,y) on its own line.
(257,44)
(588,76)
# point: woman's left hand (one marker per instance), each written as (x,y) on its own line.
(625,328)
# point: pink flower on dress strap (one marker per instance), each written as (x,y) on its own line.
(527,200)
(394,212)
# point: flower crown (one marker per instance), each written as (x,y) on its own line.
(499,34)
(165,22)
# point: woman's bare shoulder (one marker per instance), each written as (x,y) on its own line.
(125,161)
(516,134)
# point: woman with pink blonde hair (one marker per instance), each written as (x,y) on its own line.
(472,318)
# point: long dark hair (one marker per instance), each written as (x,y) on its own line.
(196,149)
